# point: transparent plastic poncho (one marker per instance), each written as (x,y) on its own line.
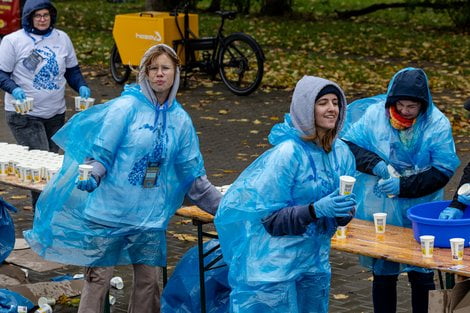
(293,172)
(430,145)
(120,222)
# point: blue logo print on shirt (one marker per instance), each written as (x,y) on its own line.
(47,76)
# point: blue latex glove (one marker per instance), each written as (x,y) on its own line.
(389,186)
(334,205)
(450,213)
(18,94)
(84,92)
(464,199)
(343,221)
(381,170)
(86,185)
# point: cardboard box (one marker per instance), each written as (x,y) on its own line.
(455,300)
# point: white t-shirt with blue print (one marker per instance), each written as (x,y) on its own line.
(38,65)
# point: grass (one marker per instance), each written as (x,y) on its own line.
(361,54)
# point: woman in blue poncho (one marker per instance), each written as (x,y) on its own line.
(405,130)
(276,220)
(145,157)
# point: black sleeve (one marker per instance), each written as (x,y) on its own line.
(365,160)
(74,77)
(465,179)
(422,184)
(289,221)
(6,83)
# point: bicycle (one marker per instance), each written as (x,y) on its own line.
(237,58)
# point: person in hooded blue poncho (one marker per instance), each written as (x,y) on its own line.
(405,155)
(461,202)
(145,157)
(276,220)
(37,61)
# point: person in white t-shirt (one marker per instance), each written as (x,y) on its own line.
(37,61)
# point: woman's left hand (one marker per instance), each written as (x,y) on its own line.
(389,186)
(84,92)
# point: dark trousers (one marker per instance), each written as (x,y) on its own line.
(384,292)
(36,133)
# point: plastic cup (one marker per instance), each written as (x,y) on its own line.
(456,245)
(42,301)
(84,170)
(117,282)
(346,185)
(427,245)
(380,221)
(46,308)
(341,232)
(464,190)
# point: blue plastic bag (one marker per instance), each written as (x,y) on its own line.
(7,229)
(9,301)
(181,294)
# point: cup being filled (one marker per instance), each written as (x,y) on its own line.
(457,246)
(380,221)
(84,171)
(427,245)
(346,185)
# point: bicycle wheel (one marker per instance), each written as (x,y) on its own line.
(119,71)
(241,64)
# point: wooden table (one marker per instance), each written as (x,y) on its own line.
(14,181)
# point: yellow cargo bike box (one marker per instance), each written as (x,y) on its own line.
(134,33)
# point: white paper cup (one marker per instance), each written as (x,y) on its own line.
(112,300)
(380,221)
(29,104)
(42,301)
(117,282)
(46,308)
(346,185)
(341,232)
(457,245)
(36,172)
(427,245)
(4,164)
(464,190)
(22,309)
(84,170)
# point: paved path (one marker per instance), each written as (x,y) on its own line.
(232,132)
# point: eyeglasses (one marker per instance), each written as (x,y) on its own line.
(164,69)
(38,16)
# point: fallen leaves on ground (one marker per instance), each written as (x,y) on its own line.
(340,296)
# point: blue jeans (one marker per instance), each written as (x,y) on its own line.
(36,133)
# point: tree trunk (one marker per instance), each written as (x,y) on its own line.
(214,6)
(276,7)
(159,5)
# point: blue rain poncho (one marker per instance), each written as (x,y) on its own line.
(120,222)
(283,273)
(427,144)
(182,293)
(7,229)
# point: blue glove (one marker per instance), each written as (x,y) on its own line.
(465,199)
(343,221)
(18,94)
(389,186)
(450,213)
(86,185)
(334,205)
(84,92)
(381,170)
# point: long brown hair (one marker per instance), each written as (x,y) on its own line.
(326,142)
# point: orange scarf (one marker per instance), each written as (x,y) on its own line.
(399,122)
